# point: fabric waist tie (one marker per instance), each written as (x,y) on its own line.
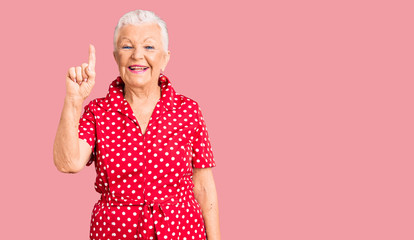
(153,214)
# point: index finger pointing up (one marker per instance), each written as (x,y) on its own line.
(92,57)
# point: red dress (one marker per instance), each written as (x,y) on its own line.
(145,180)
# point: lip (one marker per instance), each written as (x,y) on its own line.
(138,66)
(137,71)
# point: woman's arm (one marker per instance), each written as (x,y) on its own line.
(70,154)
(206,195)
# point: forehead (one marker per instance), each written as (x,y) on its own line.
(141,32)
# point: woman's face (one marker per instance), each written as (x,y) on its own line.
(140,54)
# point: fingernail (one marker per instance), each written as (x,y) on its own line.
(84,79)
(89,69)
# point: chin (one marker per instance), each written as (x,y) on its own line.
(137,80)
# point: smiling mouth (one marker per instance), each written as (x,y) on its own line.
(136,68)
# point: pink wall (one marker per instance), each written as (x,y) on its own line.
(309,107)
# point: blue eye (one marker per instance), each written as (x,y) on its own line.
(126,47)
(149,47)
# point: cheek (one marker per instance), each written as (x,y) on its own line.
(122,60)
(154,61)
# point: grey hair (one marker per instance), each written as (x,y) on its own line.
(137,17)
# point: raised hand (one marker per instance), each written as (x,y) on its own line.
(81,79)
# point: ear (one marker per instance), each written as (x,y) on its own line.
(116,60)
(166,59)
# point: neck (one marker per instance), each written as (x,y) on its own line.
(141,96)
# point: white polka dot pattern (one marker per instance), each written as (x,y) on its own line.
(145,180)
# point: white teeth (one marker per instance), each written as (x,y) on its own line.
(138,68)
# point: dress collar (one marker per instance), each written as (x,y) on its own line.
(115,100)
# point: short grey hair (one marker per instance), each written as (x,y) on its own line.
(137,17)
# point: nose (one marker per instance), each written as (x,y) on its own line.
(137,53)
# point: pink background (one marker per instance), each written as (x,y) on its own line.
(308,106)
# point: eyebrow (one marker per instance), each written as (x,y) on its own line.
(150,38)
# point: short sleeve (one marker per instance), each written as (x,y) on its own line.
(86,130)
(201,146)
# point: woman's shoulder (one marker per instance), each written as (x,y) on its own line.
(187,102)
(95,104)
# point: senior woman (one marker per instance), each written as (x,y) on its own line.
(149,144)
